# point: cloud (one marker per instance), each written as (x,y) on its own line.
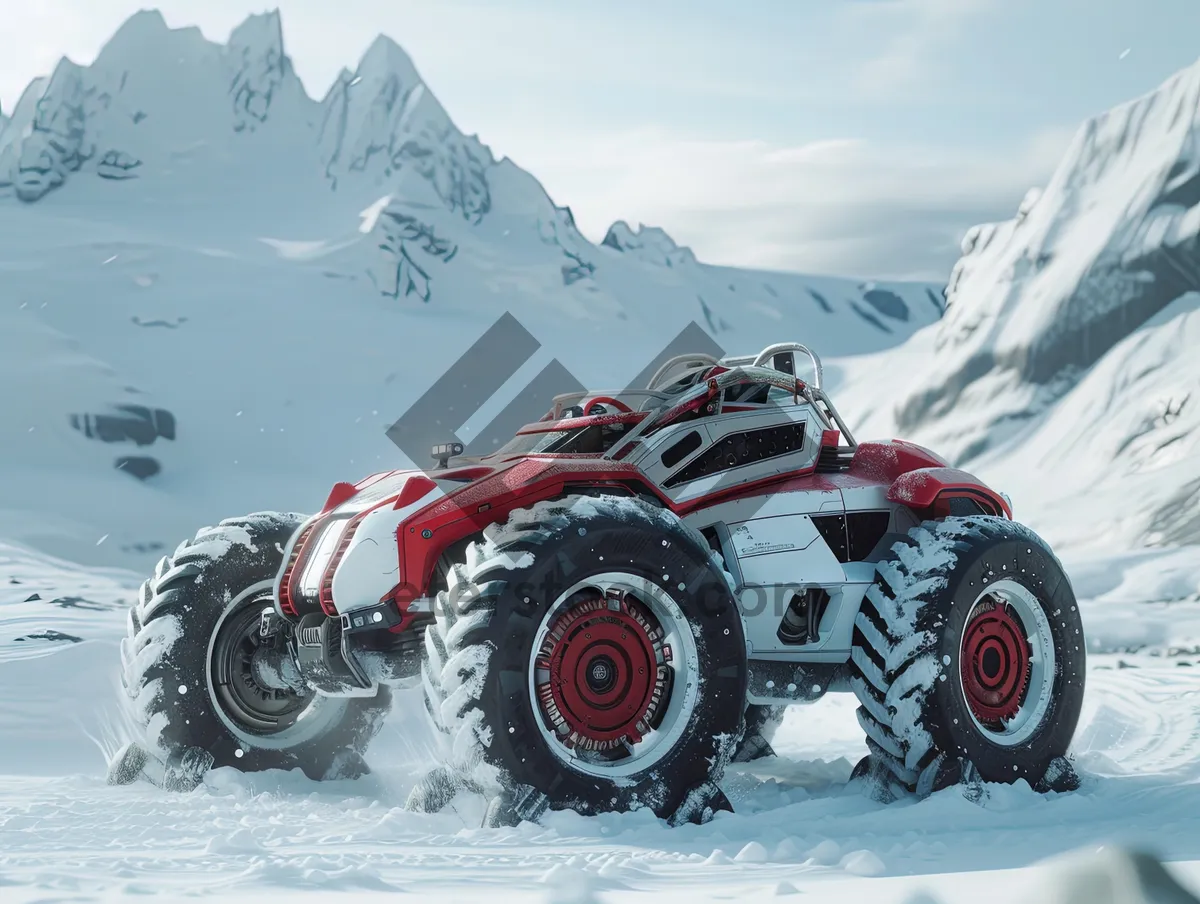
(565,111)
(920,31)
(836,206)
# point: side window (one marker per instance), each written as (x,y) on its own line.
(740,449)
(673,455)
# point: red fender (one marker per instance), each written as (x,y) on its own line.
(932,488)
(883,461)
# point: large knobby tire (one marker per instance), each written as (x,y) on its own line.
(183,662)
(515,707)
(969,659)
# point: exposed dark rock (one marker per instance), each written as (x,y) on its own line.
(939,303)
(118,166)
(142,467)
(179,321)
(887,303)
(821,300)
(136,423)
(404,235)
(51,635)
(869,317)
(576,270)
(77,602)
(33,598)
(715,324)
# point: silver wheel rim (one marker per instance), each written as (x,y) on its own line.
(314,720)
(1039,691)
(683,664)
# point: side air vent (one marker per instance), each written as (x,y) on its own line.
(964,506)
(833,531)
(739,449)
(864,530)
(713,539)
(286,601)
(852,536)
(681,450)
(834,459)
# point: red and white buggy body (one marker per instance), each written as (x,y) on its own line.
(828,565)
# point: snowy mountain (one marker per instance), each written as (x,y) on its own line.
(1067,366)
(216,293)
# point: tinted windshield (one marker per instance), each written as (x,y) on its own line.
(592,439)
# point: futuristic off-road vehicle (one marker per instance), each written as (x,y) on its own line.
(611,607)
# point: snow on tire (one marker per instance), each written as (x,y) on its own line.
(589,652)
(182,663)
(969,659)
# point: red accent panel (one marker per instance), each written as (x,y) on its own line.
(625,451)
(286,605)
(516,484)
(325,595)
(414,488)
(372,479)
(884,461)
(341,492)
(574,423)
(799,480)
(923,487)
(605,400)
(470,473)
(831,438)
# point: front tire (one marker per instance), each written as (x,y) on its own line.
(186,663)
(589,650)
(969,659)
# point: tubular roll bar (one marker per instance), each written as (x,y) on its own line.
(696,358)
(713,387)
(780,348)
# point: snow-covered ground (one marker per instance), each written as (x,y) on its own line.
(274,279)
(66,835)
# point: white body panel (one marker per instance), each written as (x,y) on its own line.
(649,458)
(370,566)
(773,550)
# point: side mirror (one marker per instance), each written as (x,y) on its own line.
(443,452)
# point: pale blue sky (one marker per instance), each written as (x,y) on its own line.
(845,136)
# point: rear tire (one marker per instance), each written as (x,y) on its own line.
(589,651)
(969,659)
(184,662)
(762,721)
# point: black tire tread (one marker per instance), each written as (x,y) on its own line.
(892,655)
(157,627)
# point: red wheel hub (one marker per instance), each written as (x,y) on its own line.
(995,662)
(600,673)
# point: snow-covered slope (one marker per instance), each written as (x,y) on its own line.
(216,293)
(1067,366)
